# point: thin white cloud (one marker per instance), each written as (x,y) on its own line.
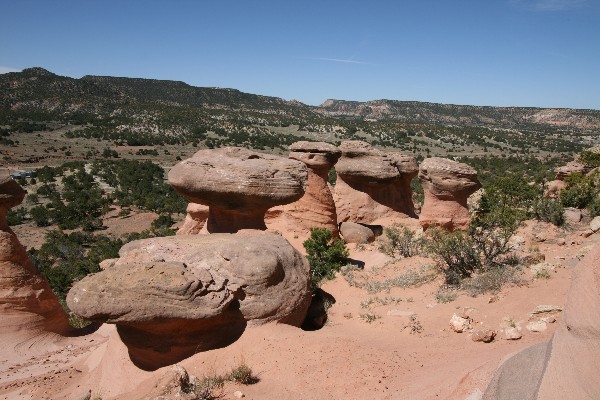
(558,5)
(4,70)
(339,60)
(550,5)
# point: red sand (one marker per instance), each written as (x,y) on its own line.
(348,358)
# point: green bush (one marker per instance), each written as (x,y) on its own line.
(401,241)
(594,207)
(164,221)
(590,158)
(510,194)
(325,255)
(64,258)
(484,248)
(580,191)
(456,254)
(550,210)
(40,215)
(16,216)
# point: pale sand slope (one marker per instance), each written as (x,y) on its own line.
(349,358)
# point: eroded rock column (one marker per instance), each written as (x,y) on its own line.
(316,209)
(238,186)
(27,303)
(373,184)
(447,185)
(195,219)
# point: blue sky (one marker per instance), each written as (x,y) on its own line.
(485,52)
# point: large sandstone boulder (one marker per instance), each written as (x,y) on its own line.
(238,185)
(373,184)
(173,296)
(447,185)
(567,366)
(316,209)
(356,233)
(27,303)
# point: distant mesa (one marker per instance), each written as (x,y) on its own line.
(447,185)
(238,186)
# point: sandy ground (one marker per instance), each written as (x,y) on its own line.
(349,358)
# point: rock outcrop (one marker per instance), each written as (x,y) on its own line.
(553,188)
(238,186)
(316,209)
(173,296)
(571,168)
(27,303)
(567,366)
(447,185)
(373,184)
(196,217)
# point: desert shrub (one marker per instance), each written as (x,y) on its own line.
(33,198)
(491,279)
(332,176)
(509,194)
(549,210)
(209,386)
(410,278)
(594,207)
(16,216)
(401,241)
(483,249)
(446,295)
(491,234)
(325,255)
(164,221)
(140,184)
(417,190)
(40,215)
(65,258)
(242,374)
(580,191)
(590,158)
(455,253)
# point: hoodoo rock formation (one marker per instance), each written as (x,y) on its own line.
(238,186)
(316,208)
(373,184)
(27,303)
(173,296)
(196,217)
(567,366)
(447,185)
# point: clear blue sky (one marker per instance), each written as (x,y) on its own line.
(486,52)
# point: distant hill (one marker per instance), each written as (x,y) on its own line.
(36,89)
(138,112)
(433,113)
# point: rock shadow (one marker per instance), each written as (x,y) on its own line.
(161,343)
(316,316)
